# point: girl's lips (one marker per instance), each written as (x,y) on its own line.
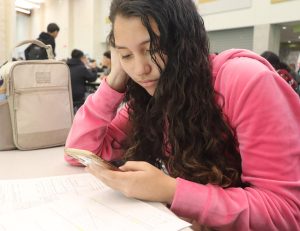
(148,83)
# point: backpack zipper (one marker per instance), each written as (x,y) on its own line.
(37,89)
(32,90)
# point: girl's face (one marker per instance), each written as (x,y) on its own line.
(132,42)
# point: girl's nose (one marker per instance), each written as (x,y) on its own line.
(142,66)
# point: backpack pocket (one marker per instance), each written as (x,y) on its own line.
(6,135)
(41,117)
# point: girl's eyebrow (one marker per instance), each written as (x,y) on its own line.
(142,43)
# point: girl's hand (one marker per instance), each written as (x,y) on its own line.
(117,78)
(139,180)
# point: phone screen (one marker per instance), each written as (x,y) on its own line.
(86,157)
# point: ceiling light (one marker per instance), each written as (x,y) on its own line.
(299,37)
(289,41)
(36,1)
(22,10)
(26,4)
(284,27)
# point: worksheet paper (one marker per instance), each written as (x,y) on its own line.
(76,203)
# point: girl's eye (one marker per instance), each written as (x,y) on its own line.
(125,56)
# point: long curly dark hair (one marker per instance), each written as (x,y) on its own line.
(181,125)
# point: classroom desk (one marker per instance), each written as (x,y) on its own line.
(16,164)
(95,84)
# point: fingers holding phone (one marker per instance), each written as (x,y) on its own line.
(108,176)
(139,180)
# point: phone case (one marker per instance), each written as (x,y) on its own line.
(86,157)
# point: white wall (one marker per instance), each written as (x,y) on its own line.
(261,12)
(23,32)
(266,37)
(103,26)
(7,29)
(2,31)
(90,26)
(262,15)
(57,11)
(82,23)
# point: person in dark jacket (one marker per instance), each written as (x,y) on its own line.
(79,75)
(34,52)
(106,63)
(282,69)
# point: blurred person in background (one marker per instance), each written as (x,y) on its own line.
(79,75)
(106,63)
(282,69)
(34,52)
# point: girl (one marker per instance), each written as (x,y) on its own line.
(215,137)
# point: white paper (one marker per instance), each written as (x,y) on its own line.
(26,193)
(77,203)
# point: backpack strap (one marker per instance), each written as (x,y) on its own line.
(38,43)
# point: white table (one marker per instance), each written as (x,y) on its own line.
(16,164)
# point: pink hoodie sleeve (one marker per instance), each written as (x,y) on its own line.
(98,126)
(265,112)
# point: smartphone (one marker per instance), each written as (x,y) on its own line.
(86,157)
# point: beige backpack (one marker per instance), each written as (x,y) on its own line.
(38,111)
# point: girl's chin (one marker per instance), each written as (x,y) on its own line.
(150,91)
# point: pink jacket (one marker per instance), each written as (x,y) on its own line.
(265,113)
